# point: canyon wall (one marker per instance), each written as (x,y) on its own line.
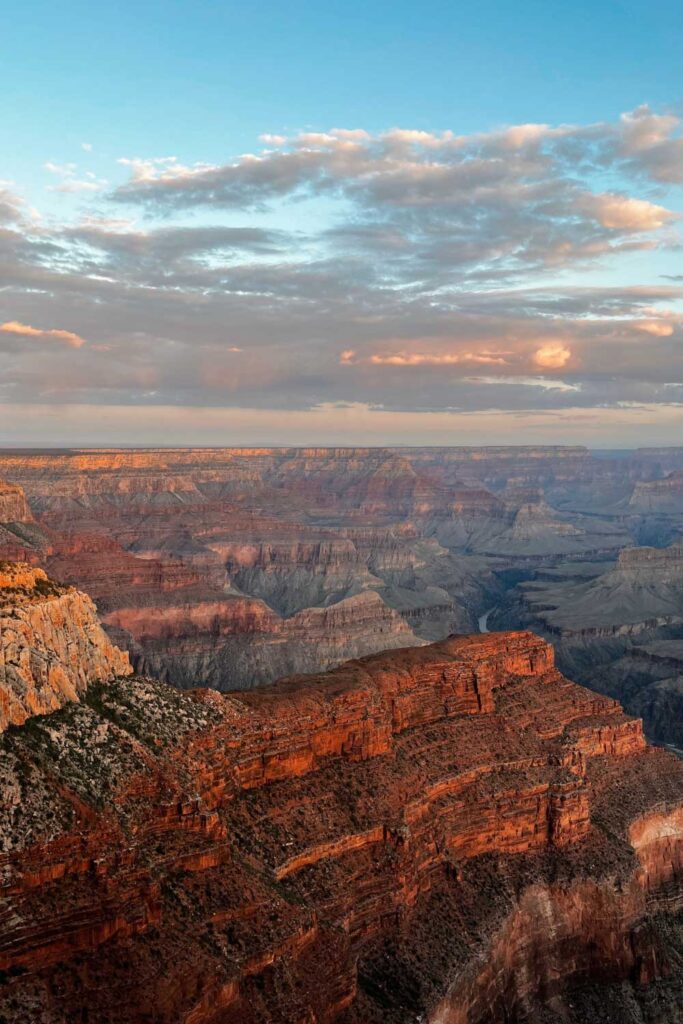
(21,539)
(412,537)
(233,567)
(449,833)
(616,629)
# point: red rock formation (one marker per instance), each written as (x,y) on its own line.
(445,833)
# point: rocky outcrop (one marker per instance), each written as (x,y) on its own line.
(239,642)
(13,505)
(453,833)
(20,537)
(51,645)
(643,590)
(659,496)
(609,626)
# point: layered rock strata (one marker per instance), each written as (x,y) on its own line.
(21,539)
(300,530)
(608,627)
(452,833)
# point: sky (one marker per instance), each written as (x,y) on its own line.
(358,223)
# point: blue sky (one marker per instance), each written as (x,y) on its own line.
(208,78)
(444,290)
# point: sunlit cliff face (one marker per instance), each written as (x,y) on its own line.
(520,283)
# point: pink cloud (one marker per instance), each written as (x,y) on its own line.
(625,214)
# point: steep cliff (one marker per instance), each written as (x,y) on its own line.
(451,833)
(51,645)
(238,642)
(21,539)
(13,505)
(608,627)
(659,496)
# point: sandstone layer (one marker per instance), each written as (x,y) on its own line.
(454,834)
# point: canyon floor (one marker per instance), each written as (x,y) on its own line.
(450,833)
(231,568)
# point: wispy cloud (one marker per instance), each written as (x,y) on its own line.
(26,331)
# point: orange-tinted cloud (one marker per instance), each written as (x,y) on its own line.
(436,359)
(659,328)
(68,337)
(553,355)
(484,358)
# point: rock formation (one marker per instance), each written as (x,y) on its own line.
(454,834)
(51,645)
(412,536)
(20,537)
(233,567)
(609,625)
(659,496)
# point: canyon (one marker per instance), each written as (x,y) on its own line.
(231,568)
(450,833)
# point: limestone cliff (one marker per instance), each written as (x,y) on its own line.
(51,645)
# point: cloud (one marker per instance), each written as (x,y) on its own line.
(63,170)
(658,328)
(486,206)
(343,266)
(623,213)
(547,384)
(118,243)
(24,330)
(11,205)
(74,185)
(70,183)
(356,424)
(435,359)
(651,144)
(553,355)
